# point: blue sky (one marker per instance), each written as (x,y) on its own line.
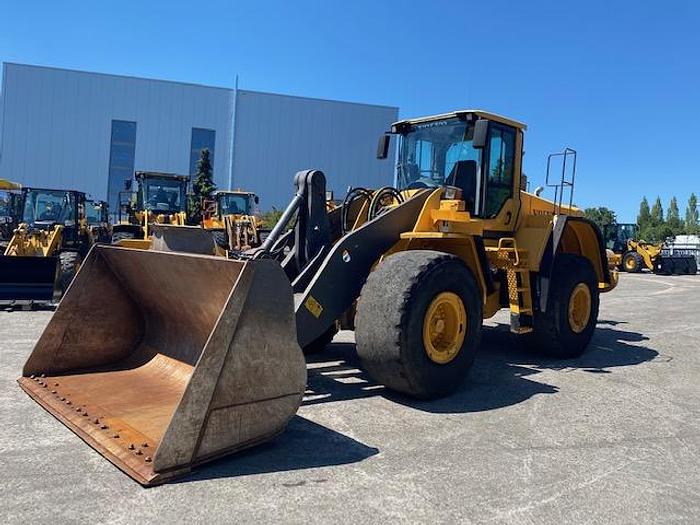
(618,81)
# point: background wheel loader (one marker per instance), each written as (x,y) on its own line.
(160,198)
(46,249)
(179,358)
(234,220)
(633,255)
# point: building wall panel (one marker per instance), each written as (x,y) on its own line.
(278,135)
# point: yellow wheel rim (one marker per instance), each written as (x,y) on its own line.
(444,327)
(629,263)
(580,308)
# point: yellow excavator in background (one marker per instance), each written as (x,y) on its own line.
(632,255)
(205,353)
(160,198)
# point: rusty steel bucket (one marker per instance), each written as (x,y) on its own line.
(161,361)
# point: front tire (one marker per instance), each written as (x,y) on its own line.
(632,262)
(418,323)
(566,328)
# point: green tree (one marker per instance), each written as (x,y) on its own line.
(673,218)
(202,187)
(605,219)
(644,215)
(657,213)
(692,225)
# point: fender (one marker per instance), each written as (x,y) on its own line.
(577,235)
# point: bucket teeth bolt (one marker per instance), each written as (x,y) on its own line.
(68,402)
(43,375)
(138,453)
(53,391)
(85,414)
(78,409)
(144,445)
(131,446)
(147,459)
(63,399)
(104,427)
(32,376)
(116,436)
(96,421)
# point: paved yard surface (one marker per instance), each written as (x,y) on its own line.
(613,437)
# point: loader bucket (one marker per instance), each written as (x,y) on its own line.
(27,278)
(161,361)
(188,239)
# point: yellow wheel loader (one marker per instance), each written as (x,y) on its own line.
(47,247)
(632,255)
(160,198)
(234,220)
(163,360)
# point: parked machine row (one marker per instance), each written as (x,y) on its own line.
(180,358)
(46,233)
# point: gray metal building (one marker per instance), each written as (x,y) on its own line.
(90,131)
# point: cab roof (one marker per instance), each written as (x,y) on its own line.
(461,114)
(160,175)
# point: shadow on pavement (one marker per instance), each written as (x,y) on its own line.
(504,372)
(303,445)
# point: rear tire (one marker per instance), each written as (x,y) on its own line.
(393,320)
(119,236)
(69,264)
(559,332)
(632,262)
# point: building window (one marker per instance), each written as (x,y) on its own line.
(121,161)
(201,139)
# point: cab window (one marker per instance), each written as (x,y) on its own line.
(499,177)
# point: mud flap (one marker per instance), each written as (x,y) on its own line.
(161,361)
(27,278)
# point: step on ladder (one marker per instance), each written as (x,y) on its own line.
(514,262)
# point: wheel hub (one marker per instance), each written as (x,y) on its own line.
(579,307)
(444,327)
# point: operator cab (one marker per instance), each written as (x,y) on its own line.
(161,192)
(474,151)
(621,233)
(236,203)
(45,208)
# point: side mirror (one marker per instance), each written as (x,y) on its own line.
(257,200)
(481,131)
(127,185)
(383,146)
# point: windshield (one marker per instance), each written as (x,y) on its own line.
(164,195)
(429,153)
(234,204)
(93,212)
(53,206)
